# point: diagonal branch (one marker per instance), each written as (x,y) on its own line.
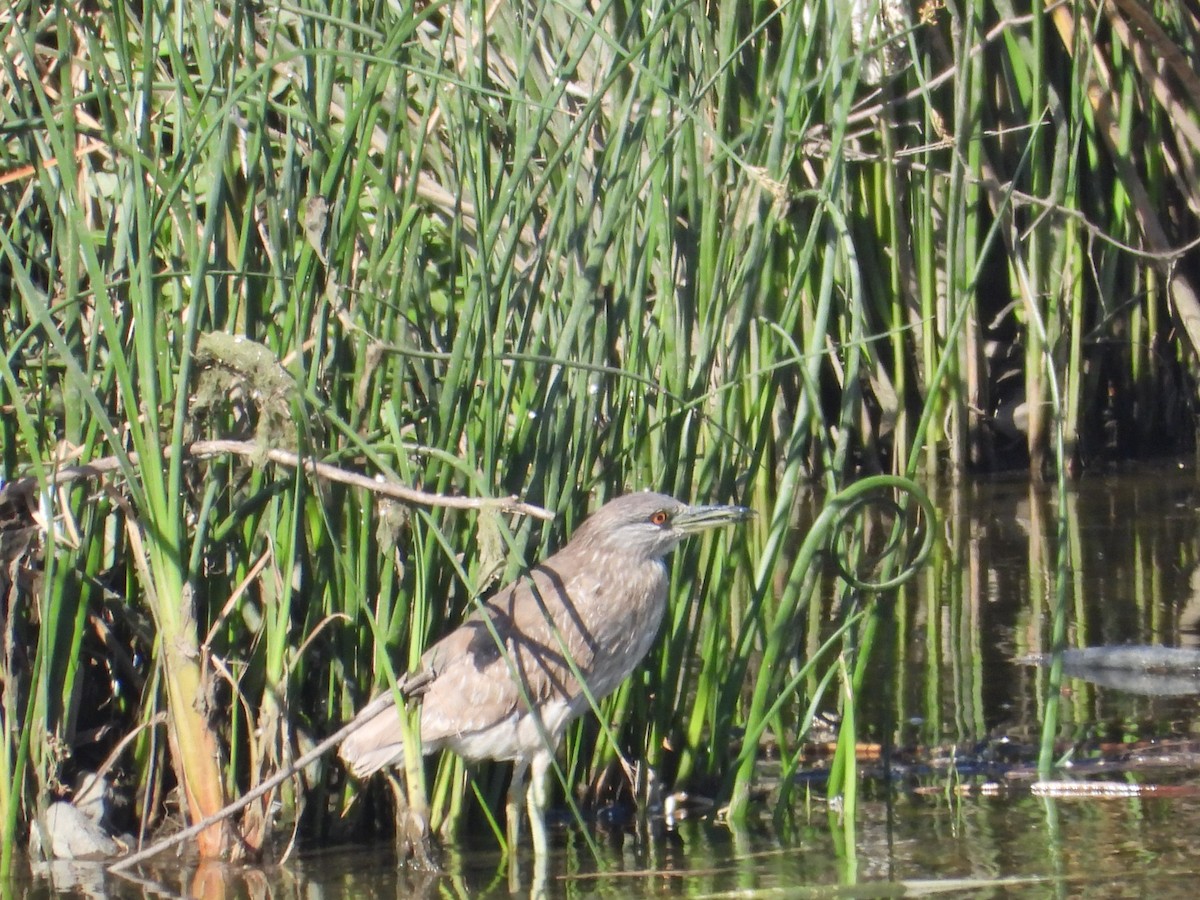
(326,471)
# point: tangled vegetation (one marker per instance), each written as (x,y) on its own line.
(551,252)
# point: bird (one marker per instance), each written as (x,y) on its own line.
(507,683)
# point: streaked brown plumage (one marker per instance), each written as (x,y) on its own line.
(597,602)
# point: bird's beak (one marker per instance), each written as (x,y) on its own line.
(692,519)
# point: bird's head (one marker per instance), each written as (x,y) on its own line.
(649,526)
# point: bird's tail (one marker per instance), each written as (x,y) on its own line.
(377,742)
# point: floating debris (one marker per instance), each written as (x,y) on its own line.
(1100,790)
(70,834)
(1137,669)
(77,830)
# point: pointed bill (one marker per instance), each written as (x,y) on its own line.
(693,519)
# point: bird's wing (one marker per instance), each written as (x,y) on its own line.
(469,681)
(472,684)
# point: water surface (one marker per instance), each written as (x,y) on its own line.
(960,718)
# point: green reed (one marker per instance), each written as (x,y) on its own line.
(538,250)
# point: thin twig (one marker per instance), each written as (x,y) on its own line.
(377,485)
(375,706)
(394,489)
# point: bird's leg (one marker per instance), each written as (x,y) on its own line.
(539,799)
(412,827)
(513,808)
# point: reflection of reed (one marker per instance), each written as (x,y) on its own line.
(1130,560)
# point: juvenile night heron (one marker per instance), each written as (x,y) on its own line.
(591,610)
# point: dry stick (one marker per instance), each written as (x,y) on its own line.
(1184,295)
(329,472)
(204,449)
(207,449)
(377,705)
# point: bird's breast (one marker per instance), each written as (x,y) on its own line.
(620,610)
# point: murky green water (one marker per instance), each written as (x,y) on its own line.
(971,829)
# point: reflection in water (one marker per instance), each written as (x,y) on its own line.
(1133,545)
(978,847)
(949,676)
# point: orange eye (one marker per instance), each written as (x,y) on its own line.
(659,518)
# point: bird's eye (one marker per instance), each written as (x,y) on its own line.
(659,518)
